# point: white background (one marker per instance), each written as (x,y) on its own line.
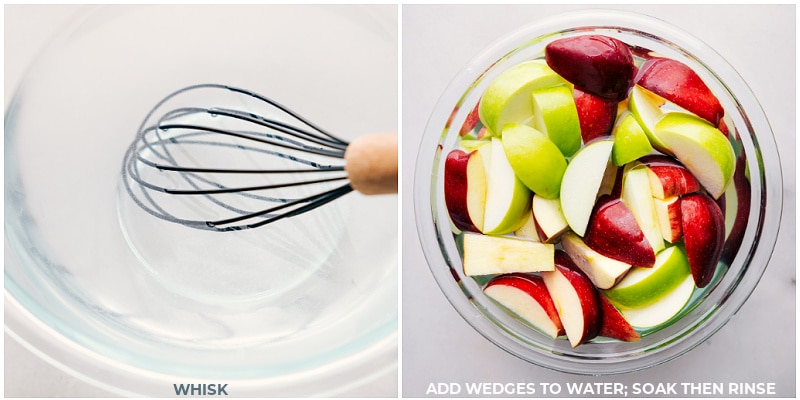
(757,345)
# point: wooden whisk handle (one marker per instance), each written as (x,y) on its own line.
(371,163)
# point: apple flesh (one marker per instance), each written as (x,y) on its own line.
(663,310)
(490,255)
(507,198)
(614,324)
(614,232)
(582,181)
(642,286)
(465,189)
(508,98)
(596,115)
(526,296)
(555,114)
(701,147)
(548,219)
(528,229)
(646,108)
(535,159)
(668,177)
(597,64)
(669,218)
(677,83)
(703,234)
(576,299)
(638,197)
(604,272)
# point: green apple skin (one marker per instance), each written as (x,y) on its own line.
(508,98)
(664,309)
(555,113)
(507,198)
(630,141)
(643,286)
(535,159)
(701,148)
(645,107)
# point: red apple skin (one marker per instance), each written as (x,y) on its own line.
(742,186)
(614,233)
(600,65)
(456,188)
(534,286)
(595,114)
(675,179)
(703,235)
(675,220)
(471,122)
(587,293)
(615,325)
(676,82)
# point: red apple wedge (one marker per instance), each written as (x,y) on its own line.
(669,218)
(465,189)
(678,83)
(526,296)
(668,177)
(471,122)
(575,298)
(614,233)
(741,182)
(548,218)
(636,194)
(704,235)
(596,115)
(615,325)
(597,64)
(604,272)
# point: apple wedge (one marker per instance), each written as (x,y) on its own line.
(668,212)
(702,148)
(677,83)
(535,159)
(614,232)
(637,195)
(555,114)
(491,255)
(668,177)
(703,234)
(597,64)
(526,296)
(548,219)
(646,108)
(662,310)
(465,189)
(528,229)
(596,115)
(642,286)
(575,298)
(614,324)
(582,181)
(507,198)
(604,272)
(508,98)
(630,141)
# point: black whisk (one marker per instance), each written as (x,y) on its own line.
(221,158)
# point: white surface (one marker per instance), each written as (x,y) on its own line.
(757,345)
(26,375)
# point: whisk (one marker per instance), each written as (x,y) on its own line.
(221,158)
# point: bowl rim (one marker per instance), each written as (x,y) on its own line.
(450,111)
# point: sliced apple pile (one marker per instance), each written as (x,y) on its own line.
(587,189)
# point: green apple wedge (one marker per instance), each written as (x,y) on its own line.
(700,147)
(643,286)
(646,108)
(507,198)
(582,182)
(663,309)
(535,159)
(508,98)
(555,114)
(630,141)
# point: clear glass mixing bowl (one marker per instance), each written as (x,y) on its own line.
(709,308)
(304,307)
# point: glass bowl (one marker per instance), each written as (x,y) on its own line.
(756,201)
(101,289)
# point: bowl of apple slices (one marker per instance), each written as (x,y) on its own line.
(598,193)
